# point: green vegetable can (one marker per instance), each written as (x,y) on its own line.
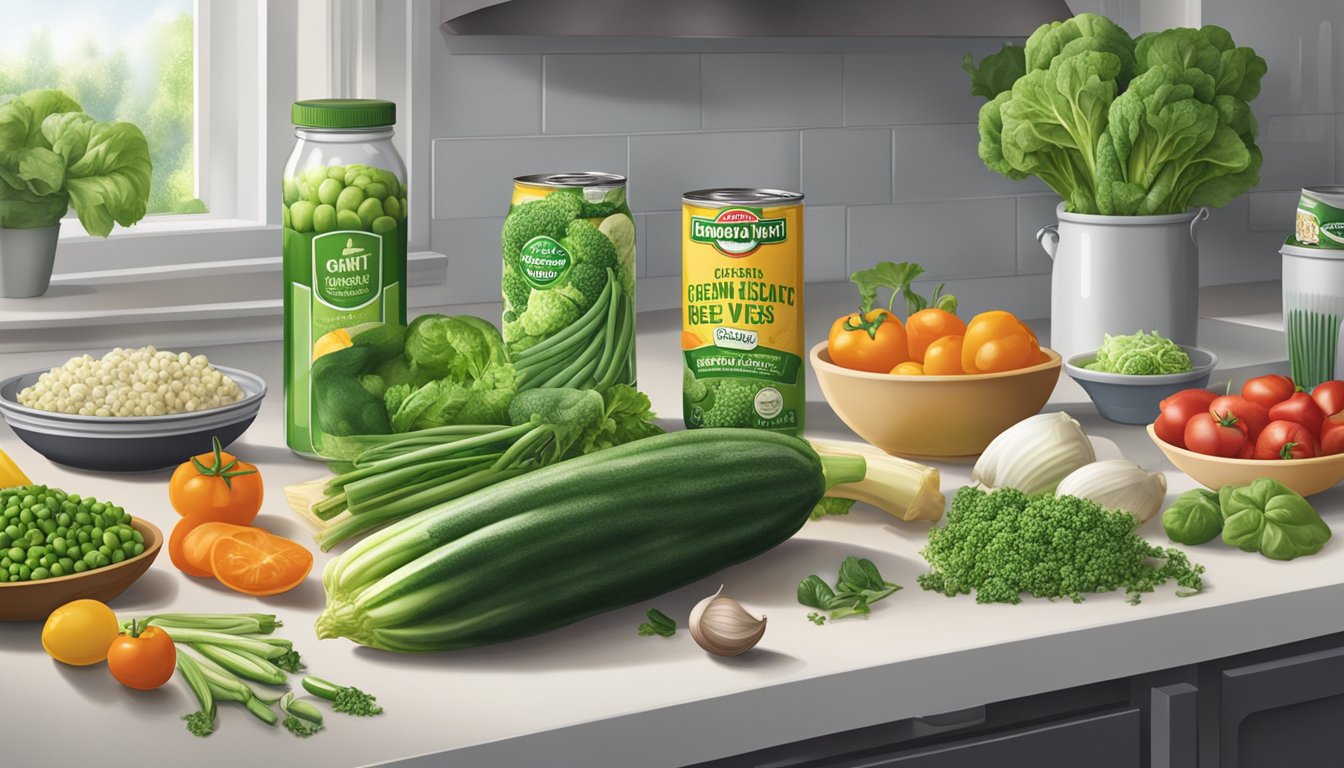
(568,281)
(1320,217)
(344,191)
(742,309)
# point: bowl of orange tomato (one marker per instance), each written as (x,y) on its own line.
(933,384)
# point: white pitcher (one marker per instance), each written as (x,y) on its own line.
(1120,275)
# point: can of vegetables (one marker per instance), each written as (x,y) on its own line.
(1320,217)
(742,309)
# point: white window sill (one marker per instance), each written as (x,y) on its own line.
(168,224)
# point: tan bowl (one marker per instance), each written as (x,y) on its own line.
(34,600)
(1306,476)
(934,415)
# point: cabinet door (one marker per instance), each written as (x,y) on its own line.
(1285,712)
(1108,739)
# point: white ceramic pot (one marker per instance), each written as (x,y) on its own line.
(1120,275)
(26,260)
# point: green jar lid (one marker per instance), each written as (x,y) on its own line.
(343,113)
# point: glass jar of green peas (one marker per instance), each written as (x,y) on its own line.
(345,206)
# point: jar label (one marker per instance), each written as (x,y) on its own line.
(347,268)
(543,261)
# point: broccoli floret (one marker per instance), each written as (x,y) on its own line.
(200,723)
(548,216)
(694,389)
(593,255)
(547,313)
(734,404)
(1002,544)
(516,289)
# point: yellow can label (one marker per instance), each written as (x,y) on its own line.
(742,317)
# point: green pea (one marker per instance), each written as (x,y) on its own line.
(307,193)
(301,217)
(15,554)
(96,533)
(404,210)
(47,526)
(348,220)
(59,546)
(362,181)
(125,533)
(336,172)
(38,551)
(291,191)
(118,556)
(388,180)
(43,513)
(82,536)
(324,218)
(80,566)
(58,570)
(66,563)
(110,539)
(25,573)
(137,537)
(350,198)
(369,210)
(392,207)
(34,536)
(138,549)
(284,218)
(375,189)
(63,518)
(315,176)
(352,172)
(40,573)
(86,547)
(329,191)
(6,541)
(26,516)
(83,518)
(383,224)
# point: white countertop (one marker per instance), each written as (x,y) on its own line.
(595,694)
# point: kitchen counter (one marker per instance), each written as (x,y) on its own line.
(596,694)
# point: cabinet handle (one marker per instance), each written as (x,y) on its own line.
(947,721)
(1173,735)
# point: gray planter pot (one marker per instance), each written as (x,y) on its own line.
(26,260)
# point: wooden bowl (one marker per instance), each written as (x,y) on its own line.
(934,415)
(1306,476)
(34,600)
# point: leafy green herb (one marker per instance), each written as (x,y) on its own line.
(1269,517)
(997,72)
(1194,518)
(1140,354)
(816,618)
(659,623)
(831,505)
(899,277)
(860,585)
(299,727)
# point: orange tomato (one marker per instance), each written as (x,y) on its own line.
(874,342)
(259,566)
(178,540)
(198,541)
(143,659)
(943,357)
(217,482)
(691,340)
(997,341)
(929,325)
(908,368)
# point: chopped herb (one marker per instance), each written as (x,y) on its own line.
(831,506)
(659,623)
(860,585)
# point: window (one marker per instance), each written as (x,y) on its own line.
(134,60)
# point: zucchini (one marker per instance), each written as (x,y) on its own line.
(574,539)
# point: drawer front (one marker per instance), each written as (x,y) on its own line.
(1284,712)
(1103,740)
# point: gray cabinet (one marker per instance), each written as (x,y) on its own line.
(1283,712)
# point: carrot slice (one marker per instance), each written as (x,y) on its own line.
(196,545)
(259,566)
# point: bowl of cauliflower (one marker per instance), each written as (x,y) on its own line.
(131,409)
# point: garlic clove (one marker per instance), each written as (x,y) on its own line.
(723,627)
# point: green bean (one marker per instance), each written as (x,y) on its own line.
(617,308)
(300,708)
(265,647)
(245,665)
(593,352)
(590,317)
(621,358)
(191,672)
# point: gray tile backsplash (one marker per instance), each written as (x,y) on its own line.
(664,166)
(846,165)
(474,177)
(880,135)
(970,238)
(622,93)
(772,90)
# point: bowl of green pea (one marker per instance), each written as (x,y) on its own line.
(56,547)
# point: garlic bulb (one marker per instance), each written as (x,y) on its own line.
(1118,484)
(723,627)
(1034,454)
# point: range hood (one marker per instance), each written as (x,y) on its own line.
(751,18)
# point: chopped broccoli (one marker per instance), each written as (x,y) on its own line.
(300,728)
(548,216)
(593,255)
(200,723)
(349,700)
(734,404)
(546,314)
(516,289)
(1003,543)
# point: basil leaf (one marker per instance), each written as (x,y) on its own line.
(814,593)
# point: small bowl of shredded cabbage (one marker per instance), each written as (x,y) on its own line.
(1128,376)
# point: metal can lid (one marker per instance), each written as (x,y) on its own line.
(572,179)
(1295,249)
(726,196)
(343,113)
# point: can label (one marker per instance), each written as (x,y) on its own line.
(1320,217)
(742,317)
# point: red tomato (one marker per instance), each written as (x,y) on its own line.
(1268,390)
(1177,411)
(1285,440)
(1332,435)
(1299,408)
(1329,395)
(1253,415)
(1215,437)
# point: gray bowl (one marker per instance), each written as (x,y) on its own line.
(128,443)
(1131,399)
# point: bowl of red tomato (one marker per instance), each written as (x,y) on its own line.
(1269,429)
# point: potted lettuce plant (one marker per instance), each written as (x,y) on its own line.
(1139,137)
(54,157)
